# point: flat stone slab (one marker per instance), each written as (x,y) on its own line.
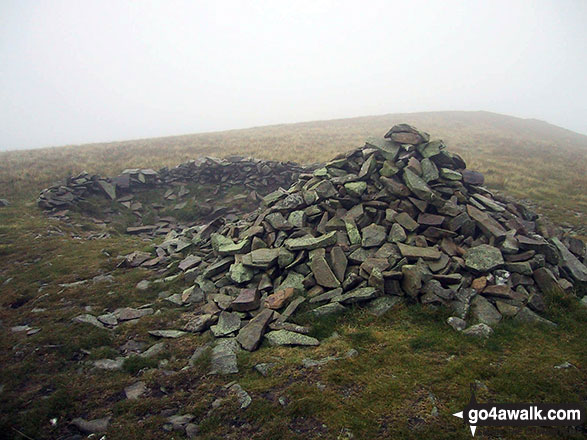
(249,337)
(427,253)
(358,295)
(224,357)
(172,334)
(248,299)
(323,273)
(309,243)
(483,258)
(285,337)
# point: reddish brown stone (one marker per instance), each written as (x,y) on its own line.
(278,299)
(248,299)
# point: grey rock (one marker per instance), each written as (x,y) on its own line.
(328,309)
(109,364)
(309,243)
(456,323)
(576,269)
(358,295)
(483,258)
(135,390)
(323,273)
(244,399)
(249,337)
(264,368)
(483,311)
(285,337)
(224,356)
(88,319)
(380,306)
(479,330)
(172,334)
(227,324)
(144,285)
(528,316)
(154,350)
(373,235)
(91,426)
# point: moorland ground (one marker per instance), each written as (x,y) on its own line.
(409,360)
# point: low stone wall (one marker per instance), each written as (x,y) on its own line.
(262,176)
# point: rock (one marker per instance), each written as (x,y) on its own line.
(88,319)
(263,258)
(328,309)
(406,134)
(278,299)
(576,269)
(154,350)
(456,323)
(240,274)
(358,295)
(192,430)
(380,306)
(144,285)
(264,368)
(407,222)
(397,234)
(243,397)
(309,243)
(249,337)
(483,311)
(91,426)
(135,390)
(547,281)
(506,309)
(4,203)
(108,319)
(248,299)
(338,262)
(355,189)
(227,324)
(295,281)
(178,422)
(419,252)
(487,224)
(418,186)
(483,258)
(173,334)
(412,280)
(285,337)
(128,313)
(479,331)
(528,316)
(198,354)
(448,174)
(224,357)
(189,262)
(109,364)
(323,274)
(373,235)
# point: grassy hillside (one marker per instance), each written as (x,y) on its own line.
(411,371)
(527,158)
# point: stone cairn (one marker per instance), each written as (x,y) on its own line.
(262,176)
(398,220)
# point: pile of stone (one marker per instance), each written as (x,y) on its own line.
(398,220)
(262,176)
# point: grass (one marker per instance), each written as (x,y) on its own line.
(409,361)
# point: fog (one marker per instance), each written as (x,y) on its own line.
(89,71)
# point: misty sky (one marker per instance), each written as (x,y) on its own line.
(88,71)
